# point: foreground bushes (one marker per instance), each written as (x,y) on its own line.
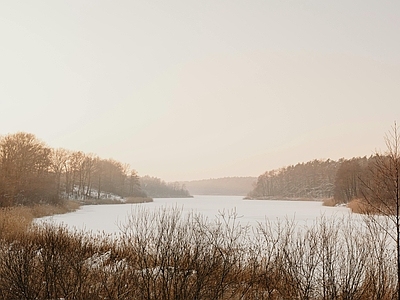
(167,255)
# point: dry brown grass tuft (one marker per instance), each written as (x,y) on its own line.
(329,202)
(16,220)
(71,205)
(39,211)
(360,206)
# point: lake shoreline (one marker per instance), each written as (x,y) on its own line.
(270,198)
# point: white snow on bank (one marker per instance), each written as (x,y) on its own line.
(85,193)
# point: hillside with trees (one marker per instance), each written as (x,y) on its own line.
(33,173)
(342,181)
(312,180)
(238,186)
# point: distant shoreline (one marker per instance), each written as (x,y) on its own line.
(284,199)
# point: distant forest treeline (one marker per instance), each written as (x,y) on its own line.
(238,186)
(157,188)
(342,180)
(31,172)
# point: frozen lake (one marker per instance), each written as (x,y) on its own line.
(108,218)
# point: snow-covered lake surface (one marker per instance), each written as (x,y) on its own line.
(108,218)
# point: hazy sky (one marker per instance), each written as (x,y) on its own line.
(186,90)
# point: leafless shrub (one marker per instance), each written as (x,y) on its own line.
(169,255)
(185,257)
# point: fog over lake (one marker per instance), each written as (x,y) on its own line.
(109,218)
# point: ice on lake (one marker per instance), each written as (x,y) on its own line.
(108,218)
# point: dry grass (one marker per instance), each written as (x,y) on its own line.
(165,255)
(39,211)
(94,201)
(360,206)
(138,199)
(329,202)
(16,220)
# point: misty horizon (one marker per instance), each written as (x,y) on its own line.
(191,91)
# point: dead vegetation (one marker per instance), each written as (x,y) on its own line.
(138,199)
(329,202)
(17,219)
(168,255)
(360,206)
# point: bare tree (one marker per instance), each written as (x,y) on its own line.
(58,159)
(24,170)
(382,190)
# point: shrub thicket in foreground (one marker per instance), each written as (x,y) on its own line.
(168,255)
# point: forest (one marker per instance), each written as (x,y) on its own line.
(33,173)
(156,188)
(343,180)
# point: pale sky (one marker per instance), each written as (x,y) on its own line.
(186,90)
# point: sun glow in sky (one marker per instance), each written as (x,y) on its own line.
(186,90)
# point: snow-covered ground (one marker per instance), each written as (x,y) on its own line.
(108,218)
